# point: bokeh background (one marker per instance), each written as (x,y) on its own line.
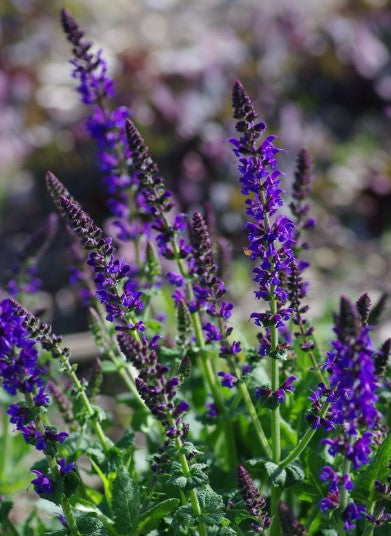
(319,71)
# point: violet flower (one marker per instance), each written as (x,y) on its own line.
(24,278)
(156,388)
(352,405)
(290,525)
(227,380)
(279,394)
(270,234)
(106,127)
(155,200)
(20,334)
(115,291)
(255,504)
(210,288)
(42,484)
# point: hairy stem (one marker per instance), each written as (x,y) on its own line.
(308,435)
(275,420)
(69,369)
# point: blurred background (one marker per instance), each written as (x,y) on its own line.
(319,71)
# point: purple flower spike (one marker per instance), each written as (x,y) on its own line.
(270,234)
(106,127)
(255,504)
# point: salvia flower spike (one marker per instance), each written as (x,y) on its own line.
(165,472)
(21,374)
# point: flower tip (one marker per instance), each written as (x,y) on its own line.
(67,21)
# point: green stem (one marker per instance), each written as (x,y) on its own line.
(308,435)
(192,494)
(251,409)
(275,420)
(344,494)
(4,445)
(108,343)
(85,401)
(207,368)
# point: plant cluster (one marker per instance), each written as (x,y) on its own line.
(226,435)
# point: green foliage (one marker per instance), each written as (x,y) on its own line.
(150,519)
(89,525)
(125,502)
(378,469)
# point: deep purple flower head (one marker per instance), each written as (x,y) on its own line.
(24,272)
(290,525)
(89,68)
(156,388)
(270,234)
(255,504)
(353,381)
(19,370)
(302,187)
(352,401)
(115,289)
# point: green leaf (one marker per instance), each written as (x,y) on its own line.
(170,353)
(5,508)
(125,502)
(89,525)
(329,532)
(314,461)
(276,475)
(71,483)
(153,325)
(377,470)
(108,367)
(178,481)
(306,492)
(295,473)
(126,441)
(150,519)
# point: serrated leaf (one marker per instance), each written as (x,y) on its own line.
(295,473)
(5,508)
(126,441)
(364,488)
(89,525)
(314,461)
(150,520)
(55,497)
(71,483)
(276,475)
(306,492)
(179,481)
(125,502)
